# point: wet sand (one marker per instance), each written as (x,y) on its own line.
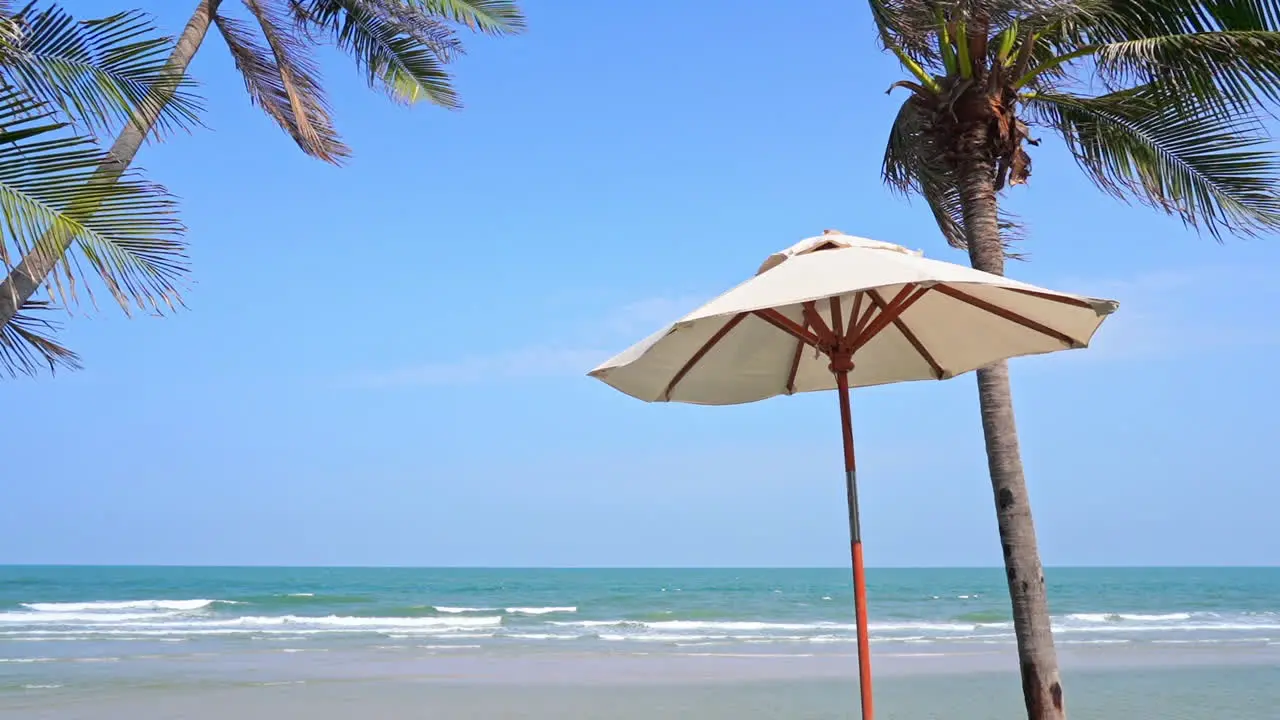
(1159,684)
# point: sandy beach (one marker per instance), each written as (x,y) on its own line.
(1170,686)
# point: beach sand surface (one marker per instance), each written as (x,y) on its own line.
(709,688)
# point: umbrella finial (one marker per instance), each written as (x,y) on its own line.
(829,231)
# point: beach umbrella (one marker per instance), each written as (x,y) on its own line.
(837,311)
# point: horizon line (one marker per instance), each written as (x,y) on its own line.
(220,566)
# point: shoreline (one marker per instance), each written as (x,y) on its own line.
(1241,692)
(569,667)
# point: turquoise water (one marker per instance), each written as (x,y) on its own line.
(72,608)
(147,638)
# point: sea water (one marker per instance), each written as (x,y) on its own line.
(61,626)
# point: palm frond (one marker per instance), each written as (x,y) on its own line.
(100,73)
(10,29)
(909,28)
(1213,169)
(915,26)
(495,17)
(27,346)
(1233,69)
(394,54)
(428,29)
(1123,20)
(283,79)
(58,189)
(1219,52)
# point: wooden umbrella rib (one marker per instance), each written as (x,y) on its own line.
(903,300)
(855,329)
(837,316)
(853,316)
(813,319)
(901,325)
(1007,314)
(901,297)
(865,323)
(795,365)
(1063,299)
(789,326)
(702,351)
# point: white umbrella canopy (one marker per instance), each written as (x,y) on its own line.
(955,319)
(837,311)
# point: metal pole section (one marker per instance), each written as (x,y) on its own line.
(841,366)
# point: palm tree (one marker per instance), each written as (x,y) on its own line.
(401,46)
(61,83)
(1160,101)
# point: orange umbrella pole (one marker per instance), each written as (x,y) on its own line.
(841,365)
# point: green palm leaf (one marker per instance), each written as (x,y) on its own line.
(1233,70)
(100,73)
(26,347)
(52,193)
(496,17)
(1123,20)
(283,79)
(404,58)
(1222,52)
(1211,168)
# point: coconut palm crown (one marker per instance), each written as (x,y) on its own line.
(1160,101)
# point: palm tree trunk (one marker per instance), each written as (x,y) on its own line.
(25,279)
(1041,683)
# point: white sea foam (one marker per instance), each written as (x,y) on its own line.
(177,620)
(540,610)
(597,623)
(74,618)
(736,626)
(1081,628)
(678,639)
(1127,617)
(1217,641)
(748,655)
(1101,641)
(451,636)
(933,627)
(41,687)
(727,626)
(79,607)
(37,626)
(337,621)
(540,636)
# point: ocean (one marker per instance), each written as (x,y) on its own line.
(71,632)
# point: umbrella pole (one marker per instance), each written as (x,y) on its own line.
(841,367)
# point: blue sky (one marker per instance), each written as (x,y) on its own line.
(384,364)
